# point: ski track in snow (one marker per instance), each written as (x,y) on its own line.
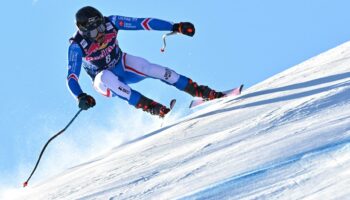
(287,137)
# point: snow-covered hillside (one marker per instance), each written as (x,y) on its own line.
(285,138)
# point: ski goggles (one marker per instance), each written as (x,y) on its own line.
(94,32)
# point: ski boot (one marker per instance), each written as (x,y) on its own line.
(152,107)
(202,91)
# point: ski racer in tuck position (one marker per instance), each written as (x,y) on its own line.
(95,48)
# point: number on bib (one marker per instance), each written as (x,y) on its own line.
(108,58)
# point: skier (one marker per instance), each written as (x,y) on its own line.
(95,47)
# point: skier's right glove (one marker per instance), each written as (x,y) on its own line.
(186,28)
(86,101)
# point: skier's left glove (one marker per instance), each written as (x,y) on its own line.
(86,101)
(186,28)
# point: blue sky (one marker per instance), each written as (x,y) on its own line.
(242,41)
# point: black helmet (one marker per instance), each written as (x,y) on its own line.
(88,18)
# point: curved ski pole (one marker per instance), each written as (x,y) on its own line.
(53,137)
(164,42)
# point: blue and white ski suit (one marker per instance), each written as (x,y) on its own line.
(111,69)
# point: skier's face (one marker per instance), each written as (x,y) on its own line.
(96,34)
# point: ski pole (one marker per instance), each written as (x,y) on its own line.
(53,137)
(164,42)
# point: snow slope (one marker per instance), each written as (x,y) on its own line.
(285,138)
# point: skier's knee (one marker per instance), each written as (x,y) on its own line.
(105,76)
(170,76)
(102,82)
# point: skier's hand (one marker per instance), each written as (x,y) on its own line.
(186,28)
(86,101)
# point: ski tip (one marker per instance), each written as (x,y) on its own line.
(190,106)
(172,103)
(241,88)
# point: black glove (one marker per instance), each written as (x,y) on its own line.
(86,101)
(185,28)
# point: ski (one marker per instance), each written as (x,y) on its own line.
(171,106)
(232,92)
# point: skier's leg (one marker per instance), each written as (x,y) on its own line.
(155,108)
(202,91)
(169,76)
(144,68)
(108,84)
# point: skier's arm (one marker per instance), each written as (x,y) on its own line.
(74,66)
(130,23)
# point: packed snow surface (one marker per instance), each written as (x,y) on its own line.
(287,137)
